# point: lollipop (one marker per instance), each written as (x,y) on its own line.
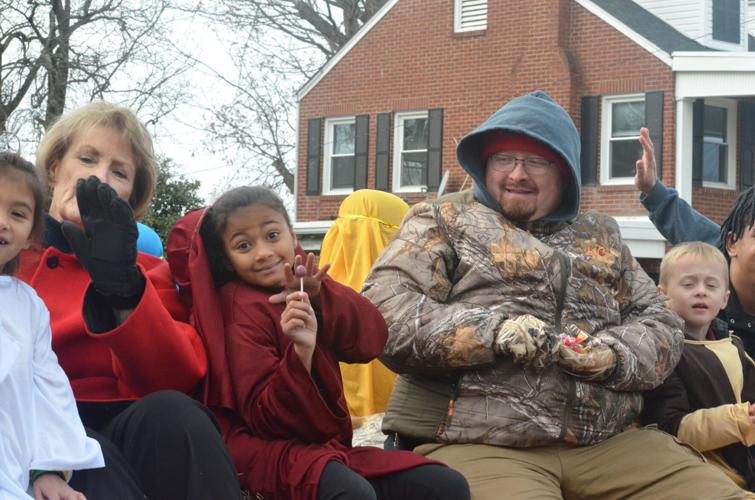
(576,342)
(301,271)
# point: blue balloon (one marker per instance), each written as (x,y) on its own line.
(148,241)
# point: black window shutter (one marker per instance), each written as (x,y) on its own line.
(654,123)
(361,150)
(314,150)
(747,144)
(589,140)
(434,148)
(382,151)
(698,114)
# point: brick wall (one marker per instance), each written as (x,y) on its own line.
(412,60)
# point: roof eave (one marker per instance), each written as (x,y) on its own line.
(722,62)
(625,30)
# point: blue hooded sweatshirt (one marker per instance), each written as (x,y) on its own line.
(538,116)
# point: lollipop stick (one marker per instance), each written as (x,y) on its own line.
(301,271)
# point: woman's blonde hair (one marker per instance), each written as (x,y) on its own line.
(698,249)
(63,133)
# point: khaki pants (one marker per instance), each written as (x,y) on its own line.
(639,463)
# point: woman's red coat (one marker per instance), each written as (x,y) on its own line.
(155,348)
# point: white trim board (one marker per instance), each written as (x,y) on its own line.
(312,226)
(641,236)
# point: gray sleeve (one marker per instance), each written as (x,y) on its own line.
(676,220)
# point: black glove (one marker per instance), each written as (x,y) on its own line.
(107,245)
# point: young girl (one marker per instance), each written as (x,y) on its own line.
(274,381)
(41,435)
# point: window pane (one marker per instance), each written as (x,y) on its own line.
(726,20)
(714,162)
(415,133)
(714,123)
(624,154)
(627,118)
(344,138)
(342,172)
(413,167)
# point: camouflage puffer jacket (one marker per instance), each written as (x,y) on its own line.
(457,269)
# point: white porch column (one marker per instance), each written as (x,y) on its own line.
(683,153)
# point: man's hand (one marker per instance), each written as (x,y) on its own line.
(106,247)
(590,360)
(751,413)
(522,338)
(646,175)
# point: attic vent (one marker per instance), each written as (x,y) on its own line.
(470,15)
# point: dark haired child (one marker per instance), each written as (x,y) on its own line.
(708,400)
(42,438)
(274,381)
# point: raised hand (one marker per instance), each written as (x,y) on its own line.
(311,277)
(299,324)
(645,176)
(106,246)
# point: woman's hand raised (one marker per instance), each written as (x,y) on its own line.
(106,246)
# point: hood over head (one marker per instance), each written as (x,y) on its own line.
(539,117)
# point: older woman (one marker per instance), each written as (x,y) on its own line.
(119,329)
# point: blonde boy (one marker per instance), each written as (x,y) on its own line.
(706,400)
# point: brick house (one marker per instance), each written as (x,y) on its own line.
(387,110)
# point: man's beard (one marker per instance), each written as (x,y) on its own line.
(517,210)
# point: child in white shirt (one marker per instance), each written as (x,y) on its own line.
(42,438)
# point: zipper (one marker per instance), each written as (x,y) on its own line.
(450,413)
(560,299)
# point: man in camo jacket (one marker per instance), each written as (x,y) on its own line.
(524,332)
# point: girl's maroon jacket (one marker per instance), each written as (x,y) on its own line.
(281,424)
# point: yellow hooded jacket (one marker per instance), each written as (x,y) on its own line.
(367,220)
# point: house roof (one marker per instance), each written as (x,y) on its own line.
(647,30)
(650,27)
(330,63)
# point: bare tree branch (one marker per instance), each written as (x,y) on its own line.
(49,49)
(279,45)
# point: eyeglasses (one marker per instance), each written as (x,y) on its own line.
(503,162)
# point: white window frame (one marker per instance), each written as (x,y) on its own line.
(479,23)
(398,143)
(606,107)
(731,142)
(711,42)
(328,154)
